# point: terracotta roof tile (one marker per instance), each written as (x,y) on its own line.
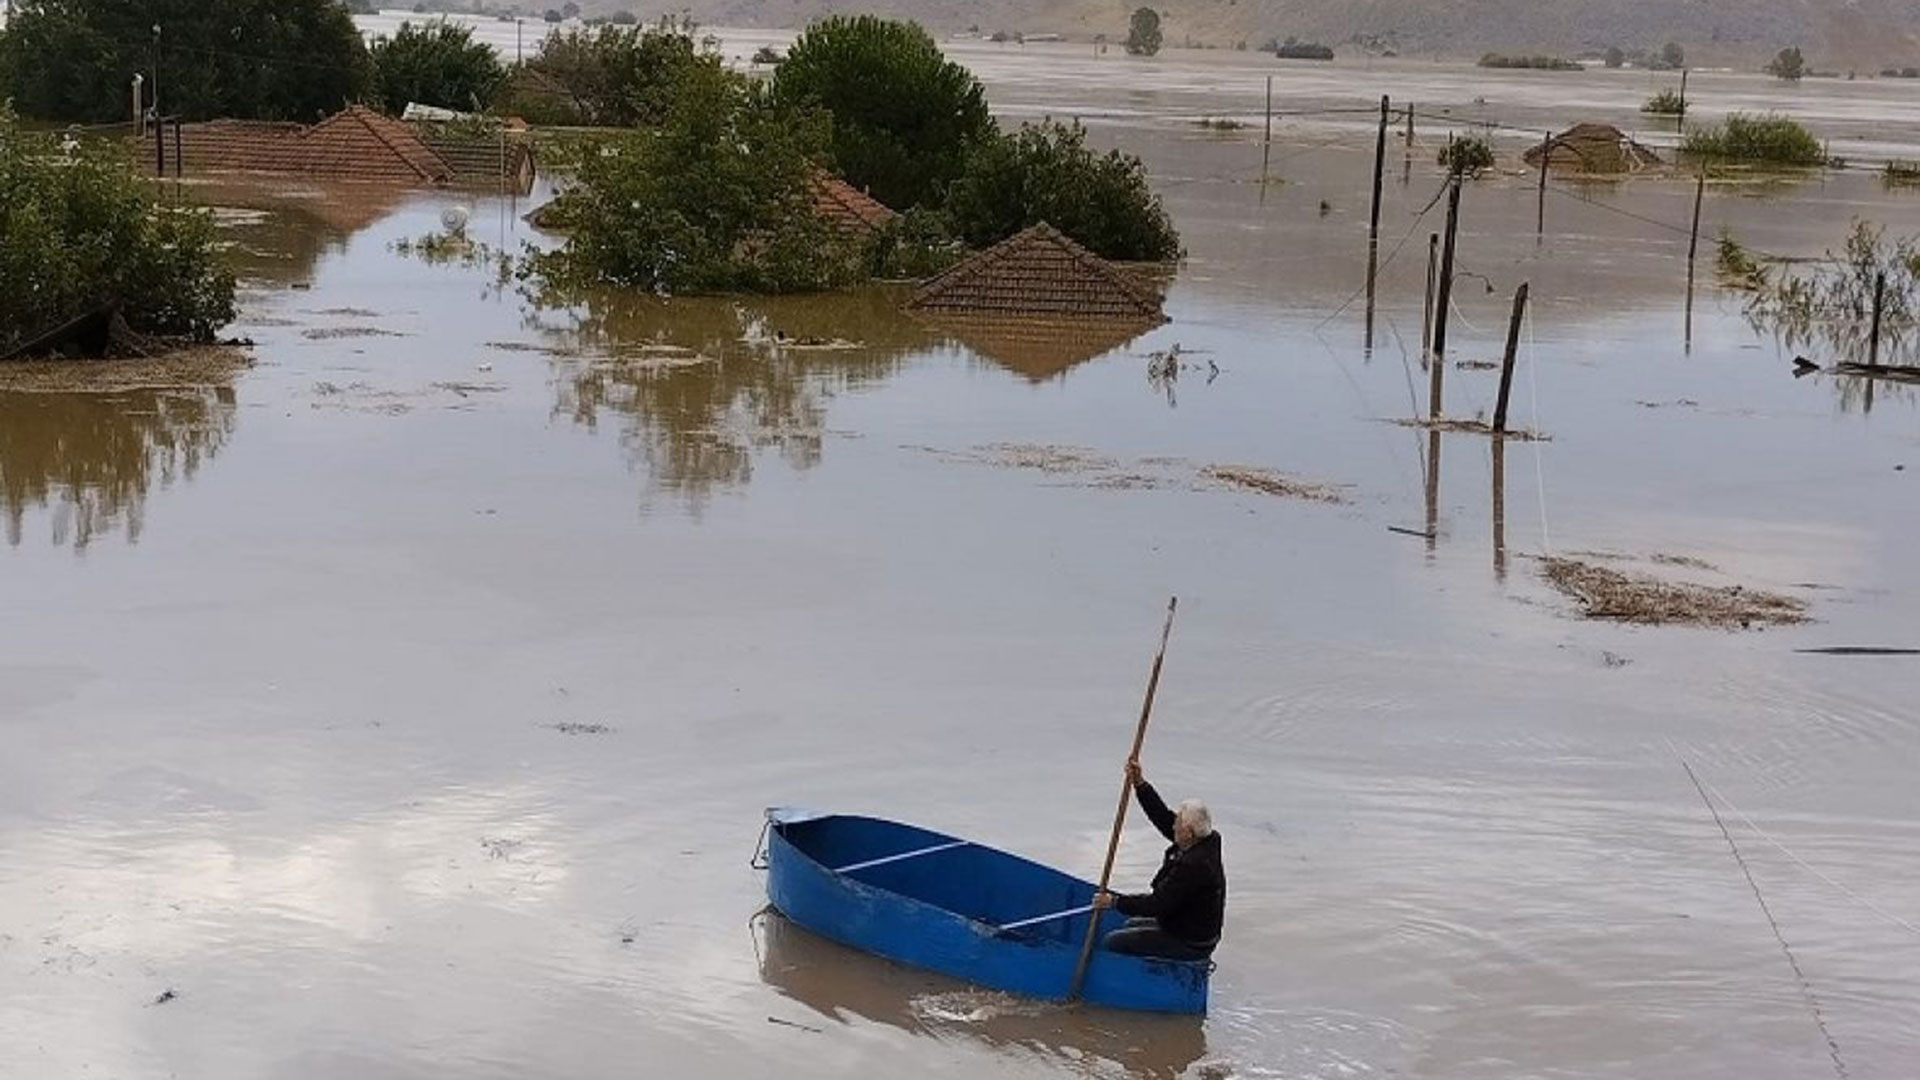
(1039,273)
(846,209)
(357,144)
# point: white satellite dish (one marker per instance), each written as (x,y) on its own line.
(454,219)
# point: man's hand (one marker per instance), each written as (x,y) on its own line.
(1134,778)
(1102,900)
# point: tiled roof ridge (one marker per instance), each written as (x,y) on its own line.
(373,123)
(1032,238)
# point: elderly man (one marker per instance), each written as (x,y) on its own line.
(1180,919)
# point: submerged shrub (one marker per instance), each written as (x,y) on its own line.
(718,198)
(1665,103)
(1046,172)
(1467,156)
(79,226)
(1771,139)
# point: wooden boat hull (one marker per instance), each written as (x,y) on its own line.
(936,902)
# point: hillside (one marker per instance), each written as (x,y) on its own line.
(1839,34)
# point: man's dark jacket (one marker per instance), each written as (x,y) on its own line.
(1189,897)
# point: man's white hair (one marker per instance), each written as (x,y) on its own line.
(1194,814)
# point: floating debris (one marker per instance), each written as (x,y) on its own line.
(569,727)
(1647,601)
(1475,427)
(1268,482)
(336,333)
(169,994)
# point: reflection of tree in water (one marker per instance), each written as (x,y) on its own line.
(708,384)
(92,458)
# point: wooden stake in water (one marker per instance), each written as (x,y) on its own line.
(1426,318)
(1879,305)
(1693,250)
(1443,301)
(1373,220)
(1126,799)
(1546,155)
(1266,144)
(1506,363)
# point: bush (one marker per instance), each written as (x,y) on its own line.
(1531,63)
(70,60)
(917,244)
(1143,32)
(767,56)
(1045,172)
(1737,266)
(1295,49)
(1788,65)
(1665,103)
(435,63)
(624,76)
(80,226)
(904,116)
(718,198)
(1771,139)
(1467,156)
(1670,58)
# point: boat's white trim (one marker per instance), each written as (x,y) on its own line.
(1038,919)
(902,856)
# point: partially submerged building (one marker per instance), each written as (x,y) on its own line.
(360,145)
(1594,148)
(1039,304)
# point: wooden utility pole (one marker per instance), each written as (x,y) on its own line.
(1443,300)
(1373,221)
(1266,144)
(1546,155)
(1683,95)
(1409,128)
(1506,363)
(1879,305)
(1426,318)
(1693,249)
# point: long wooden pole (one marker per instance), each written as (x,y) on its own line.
(1693,251)
(1506,363)
(1546,156)
(1373,220)
(1126,799)
(1443,300)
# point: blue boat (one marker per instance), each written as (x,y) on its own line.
(944,904)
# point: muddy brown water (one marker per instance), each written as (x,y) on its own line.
(406,704)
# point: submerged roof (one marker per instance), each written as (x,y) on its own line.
(360,144)
(1039,273)
(1040,349)
(1595,148)
(357,144)
(846,209)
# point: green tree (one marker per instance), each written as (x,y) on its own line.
(1616,57)
(1143,32)
(1788,65)
(1672,57)
(79,224)
(717,198)
(1046,172)
(73,60)
(435,63)
(623,76)
(904,116)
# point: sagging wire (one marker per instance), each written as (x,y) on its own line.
(1806,988)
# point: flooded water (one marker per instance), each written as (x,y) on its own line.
(405,704)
